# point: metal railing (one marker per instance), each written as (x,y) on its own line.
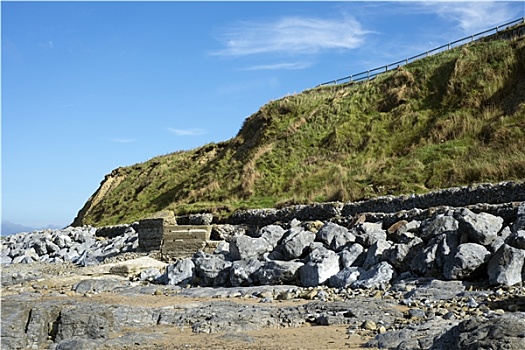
(372,73)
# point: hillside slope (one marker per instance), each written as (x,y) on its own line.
(447,120)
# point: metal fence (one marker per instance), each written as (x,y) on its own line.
(372,73)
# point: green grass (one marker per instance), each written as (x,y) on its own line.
(451,119)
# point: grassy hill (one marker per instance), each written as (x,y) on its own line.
(451,119)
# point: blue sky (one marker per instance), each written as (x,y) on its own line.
(91,86)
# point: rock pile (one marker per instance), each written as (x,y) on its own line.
(445,243)
(425,278)
(369,250)
(78,245)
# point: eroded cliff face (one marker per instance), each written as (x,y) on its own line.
(452,119)
(110,182)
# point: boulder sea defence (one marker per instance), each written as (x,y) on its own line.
(323,252)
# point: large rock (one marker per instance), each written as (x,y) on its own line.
(226,232)
(242,272)
(502,332)
(375,253)
(466,262)
(15,316)
(86,321)
(212,270)
(401,254)
(273,234)
(517,239)
(334,236)
(97,285)
(353,255)
(322,264)
(133,267)
(378,277)
(507,266)
(438,225)
(500,240)
(481,228)
(519,223)
(296,243)
(182,272)
(430,261)
(278,272)
(245,247)
(345,277)
(434,289)
(367,233)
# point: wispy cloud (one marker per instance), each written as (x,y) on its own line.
(291,35)
(47,45)
(471,17)
(121,140)
(277,66)
(187,132)
(9,48)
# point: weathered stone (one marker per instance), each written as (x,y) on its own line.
(519,222)
(517,239)
(379,276)
(430,260)
(151,275)
(181,241)
(226,232)
(503,332)
(15,315)
(424,263)
(507,266)
(482,228)
(469,259)
(322,264)
(341,241)
(242,272)
(396,227)
(200,219)
(112,231)
(78,343)
(52,247)
(150,233)
(400,254)
(40,247)
(278,272)
(133,267)
(368,233)
(353,255)
(87,321)
(438,225)
(296,242)
(182,272)
(375,253)
(222,248)
(329,231)
(213,270)
(499,240)
(245,247)
(345,277)
(273,234)
(97,285)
